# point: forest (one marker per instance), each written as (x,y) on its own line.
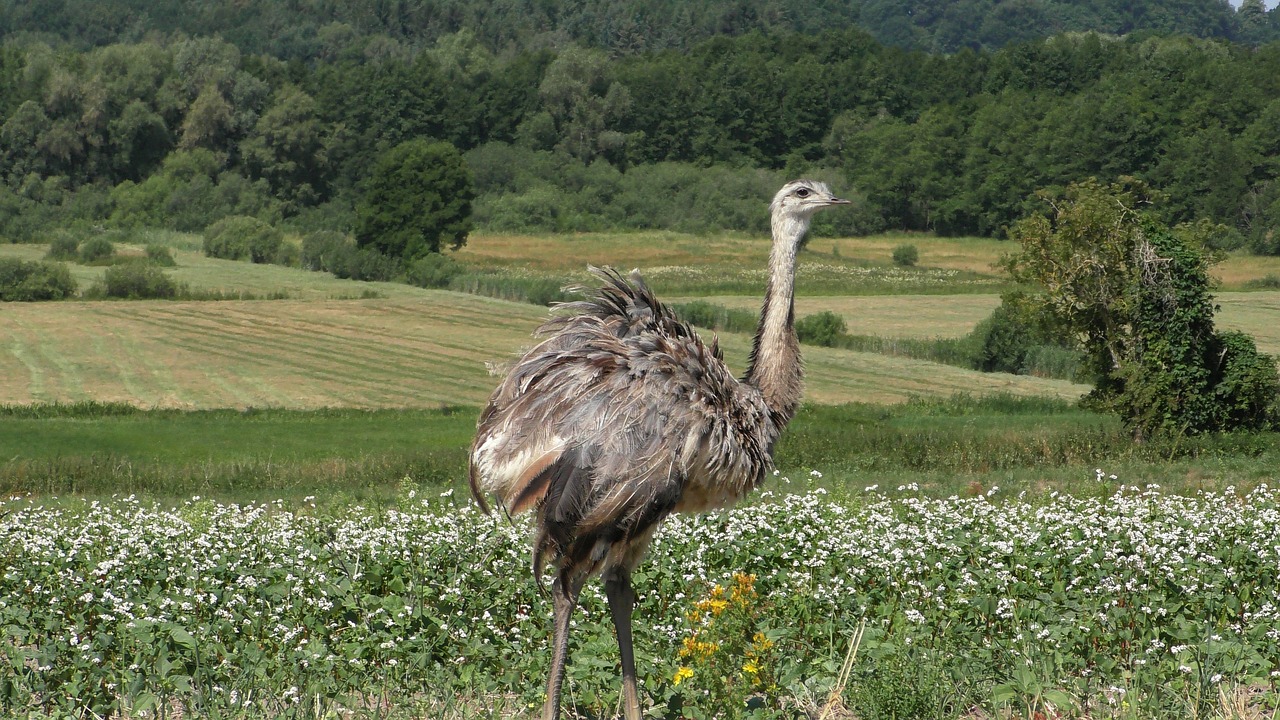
(175,116)
(305,29)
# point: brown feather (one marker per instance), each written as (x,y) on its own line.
(533,483)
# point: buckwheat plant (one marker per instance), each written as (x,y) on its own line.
(1132,604)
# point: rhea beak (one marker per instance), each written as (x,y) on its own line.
(838,201)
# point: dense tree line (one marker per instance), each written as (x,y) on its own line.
(183,131)
(317,29)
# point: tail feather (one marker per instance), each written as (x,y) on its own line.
(625,303)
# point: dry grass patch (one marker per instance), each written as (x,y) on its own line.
(1241,268)
(561,253)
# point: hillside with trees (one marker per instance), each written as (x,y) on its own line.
(312,30)
(180,132)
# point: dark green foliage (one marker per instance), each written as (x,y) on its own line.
(533,290)
(1016,339)
(906,255)
(1005,339)
(1245,383)
(824,328)
(160,255)
(418,197)
(1268,242)
(23,281)
(240,237)
(311,29)
(1164,383)
(184,131)
(190,191)
(522,190)
(137,281)
(1135,295)
(355,263)
(63,246)
(96,250)
(333,252)
(434,270)
(1187,376)
(717,317)
(321,247)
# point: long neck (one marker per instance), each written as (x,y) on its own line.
(774,366)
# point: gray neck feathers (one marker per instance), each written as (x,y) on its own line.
(774,366)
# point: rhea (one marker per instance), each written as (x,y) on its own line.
(623,415)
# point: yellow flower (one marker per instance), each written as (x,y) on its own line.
(681,675)
(760,641)
(750,668)
(717,606)
(743,589)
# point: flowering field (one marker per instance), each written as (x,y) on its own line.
(1133,605)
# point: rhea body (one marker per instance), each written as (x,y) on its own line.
(623,415)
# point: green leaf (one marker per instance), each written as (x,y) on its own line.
(182,638)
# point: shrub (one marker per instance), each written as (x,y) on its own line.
(241,237)
(1005,339)
(354,263)
(23,281)
(906,255)
(824,328)
(137,281)
(1246,385)
(287,255)
(63,246)
(321,247)
(96,250)
(160,256)
(535,290)
(435,270)
(717,317)
(1266,243)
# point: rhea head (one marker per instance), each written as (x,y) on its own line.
(794,205)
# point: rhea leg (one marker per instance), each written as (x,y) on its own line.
(622,600)
(564,591)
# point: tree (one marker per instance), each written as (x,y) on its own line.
(419,195)
(288,148)
(585,102)
(1134,295)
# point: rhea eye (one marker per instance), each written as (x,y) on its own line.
(802,193)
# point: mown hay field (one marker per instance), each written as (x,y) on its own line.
(406,347)
(412,352)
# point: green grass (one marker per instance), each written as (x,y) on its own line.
(954,446)
(248,455)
